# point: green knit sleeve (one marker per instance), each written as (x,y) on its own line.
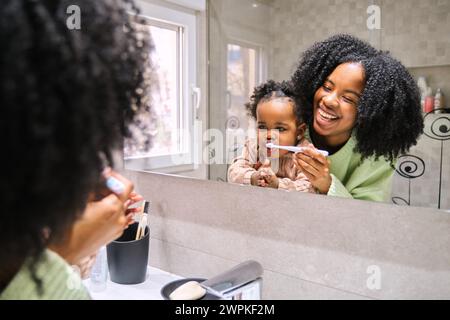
(337,189)
(371,181)
(58,281)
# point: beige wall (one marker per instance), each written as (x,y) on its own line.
(311,246)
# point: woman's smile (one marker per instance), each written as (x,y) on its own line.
(325,117)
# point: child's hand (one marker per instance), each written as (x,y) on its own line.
(265,177)
(258,180)
(270,178)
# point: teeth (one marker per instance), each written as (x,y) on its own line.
(326,115)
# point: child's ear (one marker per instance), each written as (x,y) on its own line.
(301,128)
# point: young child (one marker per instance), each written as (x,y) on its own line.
(272,105)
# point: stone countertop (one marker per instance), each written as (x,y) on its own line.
(149,290)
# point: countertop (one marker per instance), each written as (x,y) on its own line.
(149,290)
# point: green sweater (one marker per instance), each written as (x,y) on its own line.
(59,281)
(351,178)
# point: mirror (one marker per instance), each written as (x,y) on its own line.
(208,62)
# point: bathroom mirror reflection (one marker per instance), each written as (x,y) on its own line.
(209,56)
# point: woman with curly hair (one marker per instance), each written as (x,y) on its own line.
(66,99)
(363,107)
(273,107)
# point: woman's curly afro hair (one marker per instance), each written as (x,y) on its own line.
(389,119)
(66,98)
(270,90)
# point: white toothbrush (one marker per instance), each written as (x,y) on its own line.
(293,149)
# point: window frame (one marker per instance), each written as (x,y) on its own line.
(160,16)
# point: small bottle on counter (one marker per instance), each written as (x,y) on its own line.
(99,273)
(429,101)
(422,85)
(439,102)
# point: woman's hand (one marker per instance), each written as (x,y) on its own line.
(133,197)
(102,222)
(316,168)
(130,212)
(85,266)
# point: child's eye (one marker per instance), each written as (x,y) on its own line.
(261,126)
(281,129)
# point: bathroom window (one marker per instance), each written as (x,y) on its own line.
(163,136)
(163,125)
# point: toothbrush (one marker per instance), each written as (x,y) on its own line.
(141,227)
(142,220)
(112,183)
(293,149)
(115,185)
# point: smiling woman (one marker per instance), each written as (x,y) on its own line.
(336,102)
(363,107)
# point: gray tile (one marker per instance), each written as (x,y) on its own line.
(278,286)
(299,235)
(190,263)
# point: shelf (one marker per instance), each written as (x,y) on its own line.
(430,66)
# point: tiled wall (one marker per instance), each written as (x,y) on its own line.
(311,246)
(423,175)
(296,25)
(415,31)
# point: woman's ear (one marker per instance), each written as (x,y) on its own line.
(301,128)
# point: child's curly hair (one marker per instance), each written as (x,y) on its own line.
(271,90)
(389,119)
